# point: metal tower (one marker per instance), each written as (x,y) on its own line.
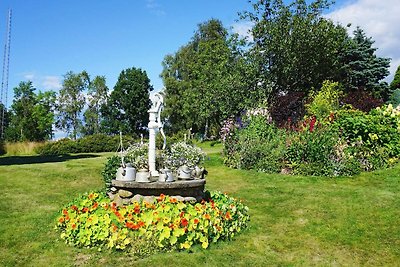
(4,81)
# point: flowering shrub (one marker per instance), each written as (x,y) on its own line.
(345,143)
(92,221)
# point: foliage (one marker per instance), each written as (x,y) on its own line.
(259,146)
(92,221)
(295,48)
(110,170)
(4,120)
(362,68)
(288,109)
(206,80)
(2,147)
(71,102)
(362,100)
(87,144)
(395,84)
(97,97)
(31,115)
(395,98)
(127,106)
(325,101)
(374,136)
(344,143)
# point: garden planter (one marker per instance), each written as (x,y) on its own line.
(126,174)
(185,173)
(143,176)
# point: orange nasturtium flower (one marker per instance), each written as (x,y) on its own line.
(173,200)
(196,221)
(207,216)
(65,211)
(61,219)
(184,222)
(228,216)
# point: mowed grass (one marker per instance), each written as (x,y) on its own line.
(295,221)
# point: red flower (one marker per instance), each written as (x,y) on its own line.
(140,224)
(196,221)
(184,222)
(137,210)
(65,212)
(74,207)
(207,216)
(61,220)
(312,123)
(73,226)
(182,213)
(173,200)
(161,197)
(95,205)
(85,209)
(228,216)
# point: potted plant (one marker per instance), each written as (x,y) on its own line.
(184,158)
(136,154)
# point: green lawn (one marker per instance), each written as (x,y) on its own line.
(295,221)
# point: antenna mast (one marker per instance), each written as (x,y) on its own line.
(4,81)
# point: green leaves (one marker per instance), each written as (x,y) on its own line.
(92,221)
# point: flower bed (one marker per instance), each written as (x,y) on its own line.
(143,228)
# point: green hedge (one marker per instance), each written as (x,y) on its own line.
(87,144)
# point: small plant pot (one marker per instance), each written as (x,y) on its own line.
(127,174)
(143,176)
(170,175)
(185,173)
(162,177)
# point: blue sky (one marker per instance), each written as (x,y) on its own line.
(50,38)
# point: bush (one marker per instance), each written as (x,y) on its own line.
(394,99)
(87,144)
(259,146)
(348,142)
(324,101)
(288,107)
(110,170)
(362,100)
(92,221)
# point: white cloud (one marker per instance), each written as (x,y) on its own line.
(155,7)
(243,29)
(379,19)
(29,76)
(51,83)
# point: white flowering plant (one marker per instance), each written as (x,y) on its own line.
(137,155)
(181,153)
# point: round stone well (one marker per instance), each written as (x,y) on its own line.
(124,193)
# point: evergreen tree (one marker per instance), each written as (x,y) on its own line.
(362,68)
(395,84)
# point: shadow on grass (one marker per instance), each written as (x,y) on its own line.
(19,160)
